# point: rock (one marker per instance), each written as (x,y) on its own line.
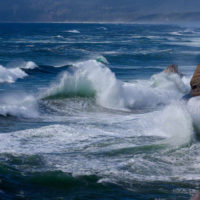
(197,196)
(195,82)
(172,69)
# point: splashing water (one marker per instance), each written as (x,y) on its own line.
(92,78)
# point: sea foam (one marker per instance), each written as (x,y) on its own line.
(10,75)
(175,123)
(73,31)
(22,105)
(193,106)
(29,65)
(92,78)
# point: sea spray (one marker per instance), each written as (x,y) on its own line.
(93,78)
(11,74)
(22,105)
(171,82)
(71,85)
(175,123)
(29,65)
(90,78)
(193,106)
(159,89)
(140,157)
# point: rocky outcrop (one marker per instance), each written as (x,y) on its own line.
(197,196)
(172,69)
(195,82)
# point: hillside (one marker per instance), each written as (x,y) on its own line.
(99,10)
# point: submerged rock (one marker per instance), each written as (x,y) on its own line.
(173,69)
(195,82)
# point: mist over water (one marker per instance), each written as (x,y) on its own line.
(86,112)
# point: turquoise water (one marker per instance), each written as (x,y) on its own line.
(86,112)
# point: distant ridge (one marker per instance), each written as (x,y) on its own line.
(99,10)
(178,17)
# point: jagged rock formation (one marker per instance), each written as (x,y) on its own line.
(195,82)
(172,69)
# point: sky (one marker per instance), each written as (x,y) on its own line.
(99,10)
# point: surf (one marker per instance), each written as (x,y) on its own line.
(92,78)
(10,75)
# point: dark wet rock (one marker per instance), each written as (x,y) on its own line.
(195,82)
(173,69)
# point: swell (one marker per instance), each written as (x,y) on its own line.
(53,184)
(57,184)
(20,70)
(30,185)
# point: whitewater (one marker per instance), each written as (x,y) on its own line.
(86,112)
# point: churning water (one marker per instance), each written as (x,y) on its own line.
(87,113)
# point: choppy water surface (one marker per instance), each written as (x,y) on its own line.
(86,112)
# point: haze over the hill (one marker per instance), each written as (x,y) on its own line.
(99,10)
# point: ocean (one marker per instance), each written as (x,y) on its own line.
(87,113)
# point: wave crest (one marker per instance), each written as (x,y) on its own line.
(29,65)
(24,106)
(70,86)
(93,78)
(10,75)
(73,31)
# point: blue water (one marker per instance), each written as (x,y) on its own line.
(86,111)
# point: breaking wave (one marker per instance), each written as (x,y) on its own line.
(23,105)
(73,31)
(29,65)
(93,78)
(10,75)
(193,106)
(175,123)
